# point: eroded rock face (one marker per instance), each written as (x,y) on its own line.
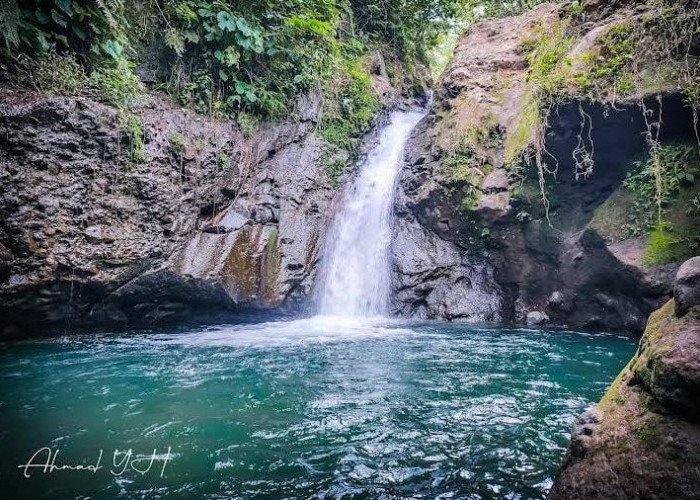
(435,278)
(642,439)
(210,220)
(474,219)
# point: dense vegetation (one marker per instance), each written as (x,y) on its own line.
(632,58)
(247,60)
(222,57)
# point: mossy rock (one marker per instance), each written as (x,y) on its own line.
(668,362)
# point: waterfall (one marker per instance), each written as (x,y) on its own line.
(356,270)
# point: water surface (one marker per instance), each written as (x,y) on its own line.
(320,408)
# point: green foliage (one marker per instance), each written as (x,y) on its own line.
(577,7)
(55,41)
(473,10)
(462,164)
(222,160)
(133,130)
(59,74)
(409,27)
(335,169)
(694,207)
(529,119)
(546,56)
(657,182)
(691,91)
(90,28)
(247,123)
(349,105)
(249,58)
(465,167)
(669,243)
(177,144)
(115,84)
(608,65)
(669,180)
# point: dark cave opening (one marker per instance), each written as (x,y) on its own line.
(616,136)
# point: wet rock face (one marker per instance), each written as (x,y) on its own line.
(208,221)
(435,276)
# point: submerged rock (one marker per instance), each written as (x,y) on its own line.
(536,318)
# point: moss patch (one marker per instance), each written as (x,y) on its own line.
(611,219)
(241,267)
(271,267)
(647,433)
(521,135)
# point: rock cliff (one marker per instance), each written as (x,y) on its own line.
(474,239)
(112,219)
(206,219)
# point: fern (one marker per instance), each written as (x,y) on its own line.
(108,8)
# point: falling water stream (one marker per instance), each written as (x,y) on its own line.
(355,280)
(348,404)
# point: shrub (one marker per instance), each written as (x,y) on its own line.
(58,74)
(349,104)
(115,84)
(222,160)
(656,182)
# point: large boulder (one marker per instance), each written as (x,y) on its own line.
(686,290)
(643,438)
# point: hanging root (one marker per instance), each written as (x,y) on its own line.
(585,149)
(540,151)
(652,135)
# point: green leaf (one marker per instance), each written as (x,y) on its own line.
(43,44)
(243,41)
(222,75)
(241,87)
(258,46)
(58,19)
(690,178)
(205,13)
(79,32)
(226,21)
(244,27)
(65,6)
(112,48)
(231,57)
(41,17)
(62,39)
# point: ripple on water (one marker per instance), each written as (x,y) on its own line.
(322,407)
